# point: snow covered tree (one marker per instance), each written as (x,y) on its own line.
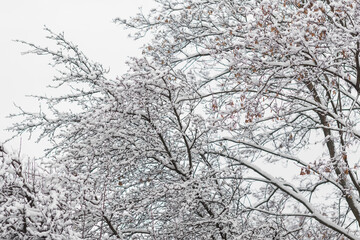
(33,205)
(193,141)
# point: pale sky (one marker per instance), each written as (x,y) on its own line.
(88,23)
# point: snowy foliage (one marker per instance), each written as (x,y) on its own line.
(33,205)
(189,143)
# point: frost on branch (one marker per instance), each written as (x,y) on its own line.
(194,140)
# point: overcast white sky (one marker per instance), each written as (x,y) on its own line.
(87,23)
